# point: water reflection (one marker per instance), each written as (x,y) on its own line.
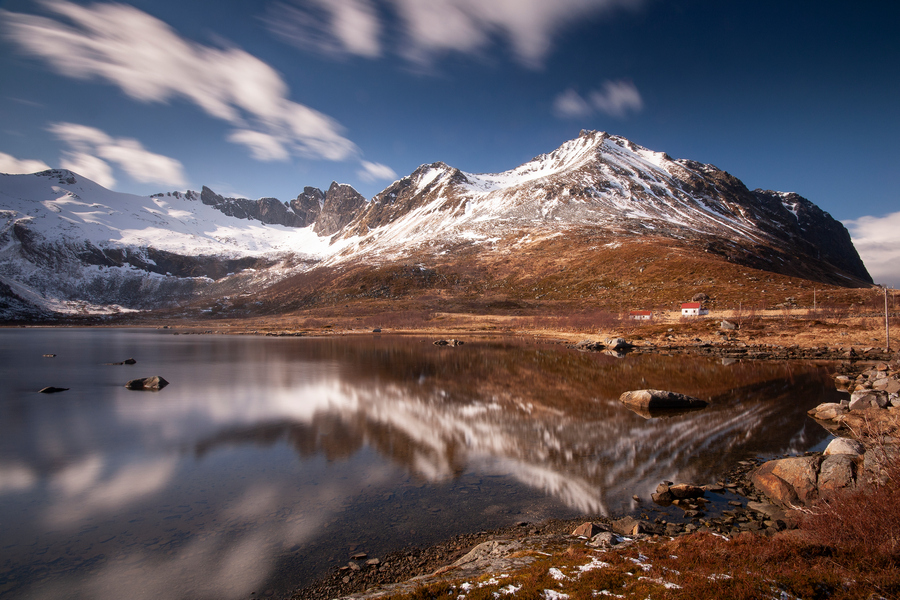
(266,459)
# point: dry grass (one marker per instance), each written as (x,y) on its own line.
(847,548)
(860,522)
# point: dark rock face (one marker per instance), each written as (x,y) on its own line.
(815,232)
(308,205)
(342,204)
(267,210)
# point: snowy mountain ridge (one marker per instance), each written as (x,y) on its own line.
(69,245)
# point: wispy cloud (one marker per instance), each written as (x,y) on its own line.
(89,149)
(372,172)
(333,27)
(428,29)
(10,164)
(615,98)
(878,245)
(150,62)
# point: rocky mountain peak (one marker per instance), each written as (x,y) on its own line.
(341,205)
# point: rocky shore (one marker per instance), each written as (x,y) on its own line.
(754,497)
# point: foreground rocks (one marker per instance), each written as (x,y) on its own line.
(868,423)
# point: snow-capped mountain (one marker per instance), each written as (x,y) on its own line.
(607,182)
(67,245)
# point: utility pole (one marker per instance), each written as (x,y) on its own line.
(887,323)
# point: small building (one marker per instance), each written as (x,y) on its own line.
(640,315)
(693,309)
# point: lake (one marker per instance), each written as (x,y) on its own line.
(267,460)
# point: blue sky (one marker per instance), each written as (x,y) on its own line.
(264,98)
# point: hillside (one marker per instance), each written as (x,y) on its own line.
(598,222)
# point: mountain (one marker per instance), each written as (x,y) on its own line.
(598,207)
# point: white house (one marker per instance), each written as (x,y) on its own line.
(640,315)
(693,309)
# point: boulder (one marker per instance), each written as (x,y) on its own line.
(659,399)
(589,529)
(684,491)
(842,383)
(52,390)
(891,386)
(844,446)
(827,411)
(451,343)
(617,344)
(863,399)
(727,326)
(662,496)
(589,346)
(627,526)
(789,482)
(153,384)
(604,539)
(837,472)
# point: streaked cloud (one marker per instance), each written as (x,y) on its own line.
(372,172)
(615,98)
(878,245)
(150,62)
(334,27)
(10,164)
(428,29)
(90,151)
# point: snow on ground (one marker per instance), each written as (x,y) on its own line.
(59,210)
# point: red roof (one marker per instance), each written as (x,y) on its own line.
(690,305)
(640,312)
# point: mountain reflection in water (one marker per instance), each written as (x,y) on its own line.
(267,458)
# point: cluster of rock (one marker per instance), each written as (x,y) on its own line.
(731,348)
(874,401)
(451,342)
(871,415)
(614,346)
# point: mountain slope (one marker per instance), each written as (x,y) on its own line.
(606,182)
(68,245)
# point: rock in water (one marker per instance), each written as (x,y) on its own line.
(659,399)
(52,390)
(153,384)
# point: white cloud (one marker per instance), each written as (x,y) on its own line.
(878,245)
(375,171)
(616,99)
(332,27)
(150,62)
(262,146)
(433,27)
(570,104)
(10,164)
(96,169)
(91,148)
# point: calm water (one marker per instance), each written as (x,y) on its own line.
(267,460)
